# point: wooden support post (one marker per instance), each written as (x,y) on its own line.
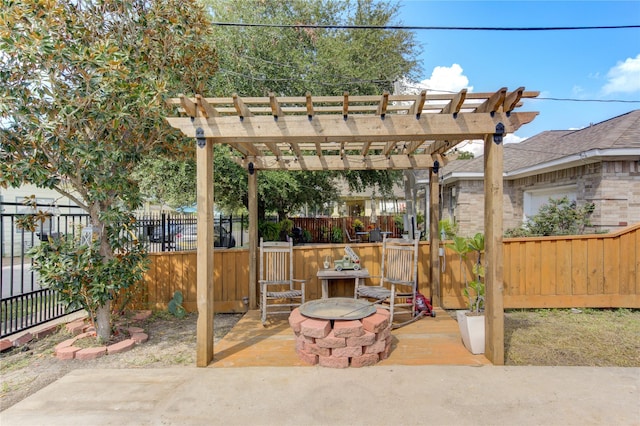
(493,218)
(434,237)
(253,238)
(204,275)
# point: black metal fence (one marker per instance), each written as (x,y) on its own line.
(24,304)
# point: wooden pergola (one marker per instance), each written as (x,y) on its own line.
(387,132)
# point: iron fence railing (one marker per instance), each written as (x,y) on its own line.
(24,304)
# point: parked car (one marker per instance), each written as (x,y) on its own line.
(187,238)
(169,236)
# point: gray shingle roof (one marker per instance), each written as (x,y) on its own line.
(616,133)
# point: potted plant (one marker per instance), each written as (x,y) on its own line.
(471,321)
(358,225)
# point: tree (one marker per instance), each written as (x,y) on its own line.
(255,61)
(557,217)
(83,85)
(167,181)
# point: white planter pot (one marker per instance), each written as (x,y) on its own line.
(472,331)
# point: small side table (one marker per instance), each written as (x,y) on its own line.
(325,275)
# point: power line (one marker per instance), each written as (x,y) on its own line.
(379,81)
(419,28)
(589,100)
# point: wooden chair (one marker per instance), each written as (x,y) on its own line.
(398,278)
(277,286)
(352,240)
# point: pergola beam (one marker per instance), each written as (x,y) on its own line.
(344,162)
(358,128)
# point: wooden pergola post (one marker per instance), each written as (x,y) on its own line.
(253,236)
(204,274)
(493,211)
(434,236)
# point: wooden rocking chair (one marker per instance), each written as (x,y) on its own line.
(277,289)
(398,280)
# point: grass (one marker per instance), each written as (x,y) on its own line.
(573,337)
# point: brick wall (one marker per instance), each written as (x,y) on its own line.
(614,187)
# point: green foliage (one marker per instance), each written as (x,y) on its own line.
(474,290)
(358,225)
(81,276)
(465,155)
(269,231)
(398,220)
(336,235)
(255,61)
(83,88)
(167,181)
(449,228)
(558,217)
(175,307)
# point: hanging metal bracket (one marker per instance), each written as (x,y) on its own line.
(200,139)
(499,134)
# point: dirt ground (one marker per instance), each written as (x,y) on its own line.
(172,342)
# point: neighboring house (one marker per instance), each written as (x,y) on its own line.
(366,202)
(599,164)
(11,203)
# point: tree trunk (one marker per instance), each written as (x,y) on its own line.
(103,322)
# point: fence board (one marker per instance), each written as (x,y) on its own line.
(563,267)
(532,269)
(580,271)
(595,255)
(547,268)
(579,267)
(611,251)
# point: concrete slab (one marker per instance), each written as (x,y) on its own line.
(398,395)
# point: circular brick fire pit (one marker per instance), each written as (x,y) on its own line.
(342,343)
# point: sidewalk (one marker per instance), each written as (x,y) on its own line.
(394,395)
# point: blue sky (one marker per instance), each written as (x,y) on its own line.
(585,64)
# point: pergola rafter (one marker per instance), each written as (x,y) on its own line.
(387,132)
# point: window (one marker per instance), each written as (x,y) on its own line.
(536,198)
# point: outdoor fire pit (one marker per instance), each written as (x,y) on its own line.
(341,332)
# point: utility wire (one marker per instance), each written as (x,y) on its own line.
(589,100)
(402,27)
(378,81)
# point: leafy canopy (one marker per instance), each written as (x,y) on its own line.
(255,61)
(83,85)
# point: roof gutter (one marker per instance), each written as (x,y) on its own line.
(585,157)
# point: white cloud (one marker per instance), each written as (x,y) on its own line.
(449,79)
(477,145)
(513,138)
(624,77)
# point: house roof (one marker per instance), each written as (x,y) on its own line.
(618,136)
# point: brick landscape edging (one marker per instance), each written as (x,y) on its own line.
(81,330)
(67,350)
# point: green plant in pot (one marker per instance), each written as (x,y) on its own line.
(358,225)
(471,321)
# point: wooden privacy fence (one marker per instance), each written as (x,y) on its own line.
(578,271)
